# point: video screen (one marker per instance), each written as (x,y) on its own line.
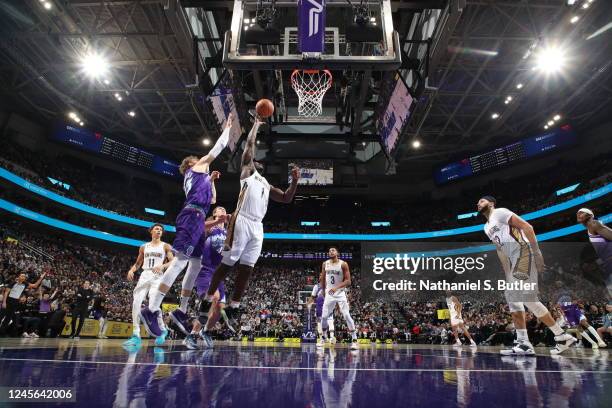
(395,115)
(313,172)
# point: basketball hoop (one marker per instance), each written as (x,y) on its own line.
(310,86)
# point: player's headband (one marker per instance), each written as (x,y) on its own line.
(489,198)
(587,211)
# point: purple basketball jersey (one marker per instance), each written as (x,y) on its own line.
(198,190)
(211,258)
(572,313)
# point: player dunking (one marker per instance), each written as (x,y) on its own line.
(600,236)
(190,234)
(455,308)
(245,231)
(334,279)
(521,259)
(151,257)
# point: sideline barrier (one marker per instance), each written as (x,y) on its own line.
(112,330)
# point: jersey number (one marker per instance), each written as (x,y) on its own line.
(151,263)
(332,279)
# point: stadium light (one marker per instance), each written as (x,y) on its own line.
(574,19)
(72,115)
(550,123)
(94,65)
(519,85)
(545,126)
(495,115)
(106,81)
(416,144)
(132,113)
(550,60)
(82,123)
(556,117)
(47,5)
(585,5)
(206,142)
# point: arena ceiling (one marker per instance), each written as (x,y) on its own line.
(153,70)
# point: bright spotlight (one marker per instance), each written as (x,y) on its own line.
(585,5)
(556,117)
(363,144)
(574,19)
(82,123)
(519,86)
(372,19)
(72,115)
(106,82)
(550,60)
(495,115)
(206,142)
(550,123)
(545,126)
(416,144)
(47,5)
(94,65)
(132,113)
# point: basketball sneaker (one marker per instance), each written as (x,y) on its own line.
(180,319)
(233,317)
(134,341)
(208,341)
(191,342)
(159,340)
(519,349)
(564,341)
(473,344)
(149,319)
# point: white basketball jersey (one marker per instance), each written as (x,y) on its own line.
(154,255)
(507,238)
(454,313)
(253,200)
(333,275)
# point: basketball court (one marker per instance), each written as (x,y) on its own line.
(104,374)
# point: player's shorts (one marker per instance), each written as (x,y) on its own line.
(330,304)
(455,322)
(573,314)
(319,306)
(244,241)
(99,313)
(190,232)
(203,282)
(522,295)
(148,280)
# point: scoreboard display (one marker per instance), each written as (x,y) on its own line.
(395,116)
(105,146)
(505,155)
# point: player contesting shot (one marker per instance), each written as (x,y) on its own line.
(245,231)
(190,232)
(519,253)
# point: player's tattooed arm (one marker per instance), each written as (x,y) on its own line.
(346,278)
(286,196)
(248,167)
(138,264)
(601,229)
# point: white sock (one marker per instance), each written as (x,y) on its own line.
(588,338)
(521,336)
(556,329)
(319,329)
(354,335)
(184,303)
(596,335)
(156,300)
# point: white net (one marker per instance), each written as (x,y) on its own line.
(310,87)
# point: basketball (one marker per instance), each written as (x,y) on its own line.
(264,108)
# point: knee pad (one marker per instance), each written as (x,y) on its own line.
(516,307)
(537,308)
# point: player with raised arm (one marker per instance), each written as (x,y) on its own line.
(245,231)
(455,308)
(519,253)
(600,236)
(334,279)
(190,232)
(151,257)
